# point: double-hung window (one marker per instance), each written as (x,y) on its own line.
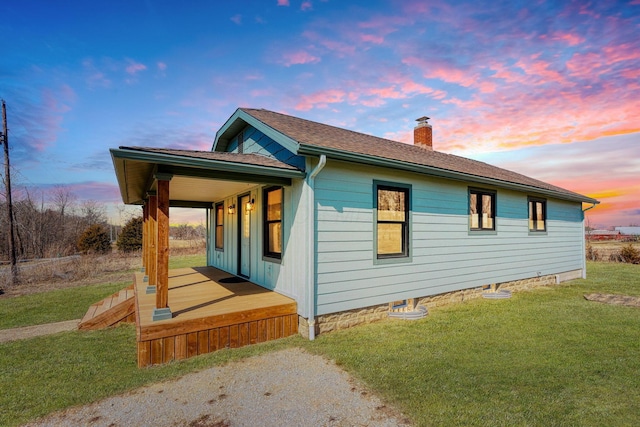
(219,244)
(392,220)
(272,222)
(482,210)
(537,214)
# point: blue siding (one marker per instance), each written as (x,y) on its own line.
(284,277)
(445,255)
(258,143)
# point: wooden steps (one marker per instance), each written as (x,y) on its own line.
(117,308)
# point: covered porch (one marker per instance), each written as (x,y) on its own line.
(211,310)
(182,313)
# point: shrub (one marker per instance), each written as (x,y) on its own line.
(95,239)
(130,238)
(592,253)
(630,254)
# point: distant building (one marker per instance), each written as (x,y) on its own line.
(629,231)
(604,235)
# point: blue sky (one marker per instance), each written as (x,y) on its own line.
(549,89)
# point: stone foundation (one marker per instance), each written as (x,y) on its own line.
(347,319)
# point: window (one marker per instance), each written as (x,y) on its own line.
(220,226)
(482,210)
(392,221)
(272,198)
(537,214)
(241,142)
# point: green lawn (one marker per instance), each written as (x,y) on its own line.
(544,357)
(181,261)
(70,303)
(54,306)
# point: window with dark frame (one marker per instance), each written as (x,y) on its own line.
(537,214)
(482,210)
(272,200)
(392,221)
(219,226)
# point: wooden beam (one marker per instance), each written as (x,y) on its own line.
(153,239)
(162,293)
(145,237)
(267,178)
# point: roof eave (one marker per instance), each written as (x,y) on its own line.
(188,166)
(120,169)
(220,165)
(443,173)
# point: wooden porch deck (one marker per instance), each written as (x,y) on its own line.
(211,310)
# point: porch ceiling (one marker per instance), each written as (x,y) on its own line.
(184,190)
(196,181)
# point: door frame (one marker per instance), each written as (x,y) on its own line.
(240,210)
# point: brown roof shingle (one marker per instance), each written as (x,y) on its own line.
(313,134)
(247,159)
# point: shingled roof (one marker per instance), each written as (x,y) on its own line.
(316,137)
(245,159)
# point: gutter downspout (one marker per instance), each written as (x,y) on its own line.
(584,248)
(311,247)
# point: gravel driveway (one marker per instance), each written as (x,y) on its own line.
(285,388)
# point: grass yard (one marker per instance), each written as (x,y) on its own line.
(69,303)
(53,306)
(544,357)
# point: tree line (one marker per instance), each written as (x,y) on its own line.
(60,225)
(49,228)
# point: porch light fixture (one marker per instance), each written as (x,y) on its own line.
(231,209)
(249,206)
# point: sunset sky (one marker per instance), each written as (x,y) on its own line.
(547,89)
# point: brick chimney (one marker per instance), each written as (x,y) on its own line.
(423,134)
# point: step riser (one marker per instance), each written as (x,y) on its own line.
(114,309)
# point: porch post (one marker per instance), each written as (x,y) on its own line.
(162,310)
(152,238)
(145,236)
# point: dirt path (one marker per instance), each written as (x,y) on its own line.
(285,388)
(614,299)
(37,330)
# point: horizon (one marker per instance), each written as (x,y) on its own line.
(549,90)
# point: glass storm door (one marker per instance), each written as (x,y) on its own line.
(244,227)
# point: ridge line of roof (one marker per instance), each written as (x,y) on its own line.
(398,151)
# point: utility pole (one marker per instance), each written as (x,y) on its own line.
(7,173)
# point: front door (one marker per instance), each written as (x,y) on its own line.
(244,229)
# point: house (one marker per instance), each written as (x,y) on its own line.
(350,225)
(629,233)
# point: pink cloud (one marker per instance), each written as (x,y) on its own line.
(621,52)
(97,191)
(161,66)
(236,19)
(306,5)
(370,38)
(539,69)
(95,77)
(134,67)
(283,2)
(261,93)
(572,39)
(298,58)
(320,99)
(339,47)
(445,72)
